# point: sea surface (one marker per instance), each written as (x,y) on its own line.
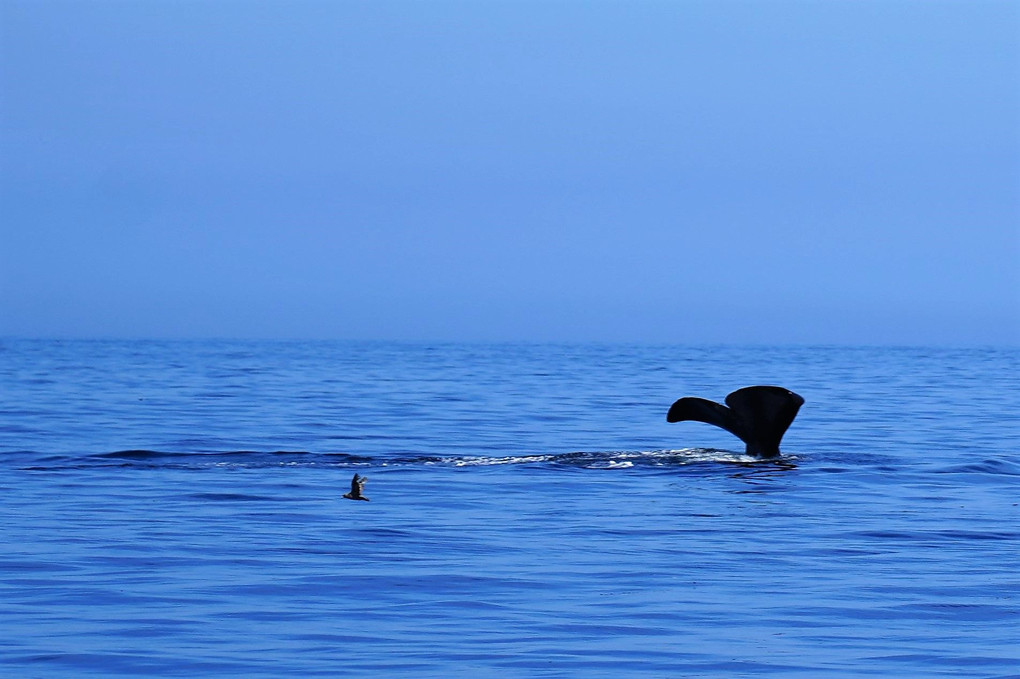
(174,509)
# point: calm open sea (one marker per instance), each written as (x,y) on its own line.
(173,509)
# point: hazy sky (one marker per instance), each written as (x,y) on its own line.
(688,171)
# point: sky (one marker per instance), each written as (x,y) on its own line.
(717,171)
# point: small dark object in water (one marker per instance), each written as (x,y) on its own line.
(357,484)
(758,416)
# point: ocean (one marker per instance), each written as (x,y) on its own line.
(174,509)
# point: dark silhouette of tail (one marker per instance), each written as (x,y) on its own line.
(758,416)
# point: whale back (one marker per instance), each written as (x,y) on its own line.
(765,414)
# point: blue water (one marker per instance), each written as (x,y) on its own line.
(174,509)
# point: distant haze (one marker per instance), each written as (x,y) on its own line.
(688,171)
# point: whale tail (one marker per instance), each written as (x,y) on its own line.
(758,416)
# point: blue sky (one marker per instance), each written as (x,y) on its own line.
(717,171)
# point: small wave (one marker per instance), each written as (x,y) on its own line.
(137,455)
(232,497)
(990,466)
(198,460)
(155,454)
(661,459)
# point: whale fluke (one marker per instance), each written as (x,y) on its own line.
(357,485)
(758,416)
